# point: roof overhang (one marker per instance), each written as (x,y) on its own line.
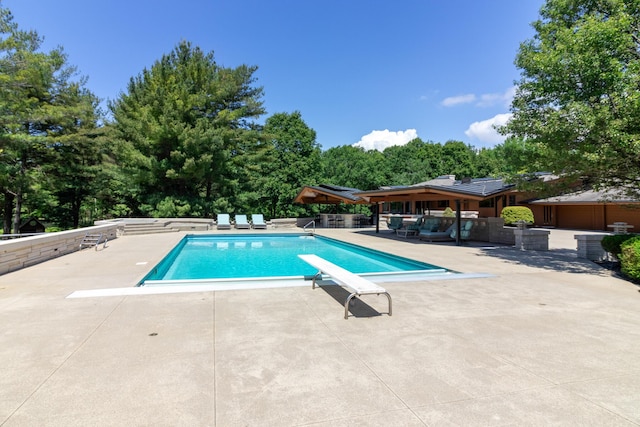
(320,195)
(427,193)
(588,197)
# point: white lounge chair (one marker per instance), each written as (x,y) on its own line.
(223,222)
(357,285)
(257,220)
(241,221)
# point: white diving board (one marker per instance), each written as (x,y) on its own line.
(355,284)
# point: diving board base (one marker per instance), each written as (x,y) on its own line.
(356,285)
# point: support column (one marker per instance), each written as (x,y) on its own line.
(458,223)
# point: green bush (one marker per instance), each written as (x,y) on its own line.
(513,214)
(612,243)
(630,258)
(448,213)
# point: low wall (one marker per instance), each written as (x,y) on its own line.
(490,230)
(26,251)
(590,247)
(532,240)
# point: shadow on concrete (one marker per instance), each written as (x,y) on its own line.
(387,234)
(562,260)
(357,308)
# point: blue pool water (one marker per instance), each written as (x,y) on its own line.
(199,257)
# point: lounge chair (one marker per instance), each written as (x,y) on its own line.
(257,221)
(447,234)
(241,222)
(395,223)
(430,224)
(223,222)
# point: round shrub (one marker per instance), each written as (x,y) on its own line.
(630,258)
(513,214)
(448,213)
(611,243)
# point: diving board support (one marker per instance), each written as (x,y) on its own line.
(357,285)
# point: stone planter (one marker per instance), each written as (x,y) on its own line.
(532,240)
(590,247)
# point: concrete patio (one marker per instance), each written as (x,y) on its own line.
(549,339)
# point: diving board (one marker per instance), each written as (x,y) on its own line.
(357,285)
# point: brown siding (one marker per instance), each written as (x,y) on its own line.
(624,213)
(588,217)
(538,215)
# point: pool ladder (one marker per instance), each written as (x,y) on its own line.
(313,223)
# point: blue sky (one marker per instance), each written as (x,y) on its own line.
(367,72)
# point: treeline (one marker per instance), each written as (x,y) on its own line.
(184,140)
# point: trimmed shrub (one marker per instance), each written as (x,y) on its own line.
(513,214)
(630,258)
(611,243)
(448,213)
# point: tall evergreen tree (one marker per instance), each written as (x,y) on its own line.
(186,121)
(42,110)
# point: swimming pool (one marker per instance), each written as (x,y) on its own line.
(268,257)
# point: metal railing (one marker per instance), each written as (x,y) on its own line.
(313,222)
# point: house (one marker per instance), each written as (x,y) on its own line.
(485,196)
(587,209)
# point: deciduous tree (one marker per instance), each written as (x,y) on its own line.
(578,99)
(294,162)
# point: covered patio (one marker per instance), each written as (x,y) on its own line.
(468,198)
(326,194)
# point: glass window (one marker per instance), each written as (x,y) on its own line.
(488,203)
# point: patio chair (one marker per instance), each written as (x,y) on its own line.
(411,229)
(223,222)
(257,221)
(395,223)
(465,231)
(241,222)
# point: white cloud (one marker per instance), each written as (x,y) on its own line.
(381,139)
(485,131)
(485,100)
(503,99)
(457,100)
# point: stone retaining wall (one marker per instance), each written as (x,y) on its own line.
(26,251)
